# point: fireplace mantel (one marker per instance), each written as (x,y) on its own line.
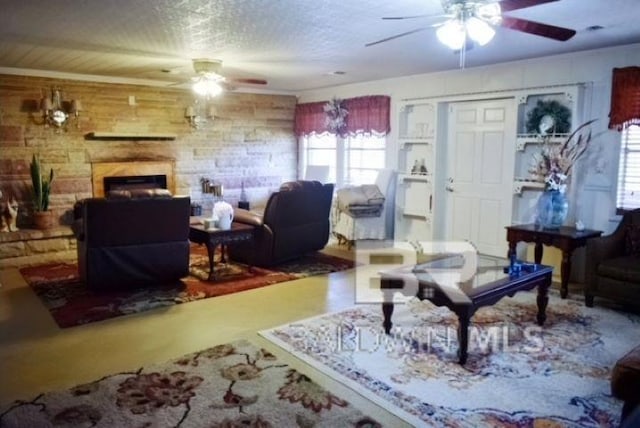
(99,170)
(116,136)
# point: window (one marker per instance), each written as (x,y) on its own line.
(364,157)
(629,170)
(320,150)
(352,160)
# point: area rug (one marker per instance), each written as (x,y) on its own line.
(517,375)
(230,385)
(71,303)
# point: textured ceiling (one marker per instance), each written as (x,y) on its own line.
(293,44)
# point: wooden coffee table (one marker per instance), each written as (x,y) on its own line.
(214,237)
(486,287)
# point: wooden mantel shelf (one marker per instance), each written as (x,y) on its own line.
(114,136)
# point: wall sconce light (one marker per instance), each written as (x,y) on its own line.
(196,117)
(190,115)
(53,111)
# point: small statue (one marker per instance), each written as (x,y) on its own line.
(416,168)
(423,168)
(8,215)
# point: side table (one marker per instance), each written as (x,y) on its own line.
(214,237)
(566,238)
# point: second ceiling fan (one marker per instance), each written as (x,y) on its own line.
(209,82)
(476,19)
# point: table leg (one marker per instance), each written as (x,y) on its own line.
(211,248)
(512,249)
(537,253)
(565,274)
(387,311)
(463,337)
(543,299)
(223,248)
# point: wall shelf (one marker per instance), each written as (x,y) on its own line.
(119,136)
(416,147)
(415,177)
(402,142)
(520,185)
(523,139)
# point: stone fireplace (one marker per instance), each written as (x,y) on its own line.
(133,174)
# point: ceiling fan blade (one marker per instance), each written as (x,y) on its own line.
(441,15)
(403,17)
(508,5)
(396,36)
(537,28)
(248,81)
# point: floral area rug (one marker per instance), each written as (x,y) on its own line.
(71,303)
(518,374)
(229,385)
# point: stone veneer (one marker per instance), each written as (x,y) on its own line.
(31,247)
(250,141)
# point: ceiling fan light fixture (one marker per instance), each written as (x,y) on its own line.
(207,87)
(490,12)
(479,31)
(452,34)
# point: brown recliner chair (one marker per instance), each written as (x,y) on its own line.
(295,222)
(132,241)
(613,263)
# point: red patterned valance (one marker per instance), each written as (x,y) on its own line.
(310,118)
(625,98)
(365,115)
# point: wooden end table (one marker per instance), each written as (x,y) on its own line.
(214,237)
(565,238)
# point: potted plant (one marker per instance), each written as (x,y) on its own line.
(42,217)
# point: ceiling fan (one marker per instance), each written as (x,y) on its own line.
(209,82)
(477,18)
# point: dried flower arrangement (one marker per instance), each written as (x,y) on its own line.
(554,163)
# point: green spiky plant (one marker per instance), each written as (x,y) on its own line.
(41,186)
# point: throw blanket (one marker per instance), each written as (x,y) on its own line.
(361,201)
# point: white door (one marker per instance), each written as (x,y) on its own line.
(480,156)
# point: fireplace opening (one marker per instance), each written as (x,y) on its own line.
(135,182)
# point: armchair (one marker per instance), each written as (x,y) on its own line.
(295,222)
(613,263)
(129,241)
(349,228)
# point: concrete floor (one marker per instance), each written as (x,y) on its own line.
(37,356)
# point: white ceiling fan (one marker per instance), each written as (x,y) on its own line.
(476,19)
(209,82)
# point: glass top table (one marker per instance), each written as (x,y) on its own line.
(464,285)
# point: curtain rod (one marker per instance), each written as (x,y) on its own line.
(497,91)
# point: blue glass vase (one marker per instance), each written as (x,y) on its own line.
(552,209)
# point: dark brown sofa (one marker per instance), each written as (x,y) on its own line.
(613,264)
(129,241)
(295,222)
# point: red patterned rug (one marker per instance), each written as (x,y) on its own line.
(72,304)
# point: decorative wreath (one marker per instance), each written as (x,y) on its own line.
(336,115)
(559,112)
